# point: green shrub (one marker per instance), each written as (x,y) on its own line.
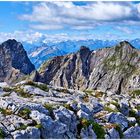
(64,90)
(99,94)
(22,93)
(41,86)
(2,110)
(67,106)
(118,128)
(5,111)
(132,113)
(88,91)
(138,107)
(116,104)
(7,89)
(39,126)
(98,129)
(2,135)
(106,108)
(24,113)
(49,107)
(22,127)
(85,98)
(135,92)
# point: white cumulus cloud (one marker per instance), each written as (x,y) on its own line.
(59,15)
(24,36)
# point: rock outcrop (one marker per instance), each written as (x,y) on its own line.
(35,110)
(114,69)
(13,60)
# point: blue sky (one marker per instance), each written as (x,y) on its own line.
(30,21)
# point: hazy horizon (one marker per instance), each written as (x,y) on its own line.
(31,21)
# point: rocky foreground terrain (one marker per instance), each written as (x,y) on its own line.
(35,110)
(86,94)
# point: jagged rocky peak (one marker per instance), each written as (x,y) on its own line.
(84,48)
(10,42)
(126,44)
(109,69)
(84,51)
(13,60)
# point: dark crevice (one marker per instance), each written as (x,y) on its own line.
(97,82)
(119,87)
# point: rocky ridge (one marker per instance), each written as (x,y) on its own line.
(114,69)
(14,61)
(35,110)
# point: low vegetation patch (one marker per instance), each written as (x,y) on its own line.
(7,89)
(67,106)
(43,66)
(99,94)
(39,126)
(22,127)
(6,94)
(49,107)
(22,93)
(115,126)
(2,135)
(41,86)
(64,90)
(118,128)
(116,104)
(138,107)
(115,62)
(85,98)
(132,113)
(24,113)
(94,93)
(98,129)
(107,108)
(110,126)
(88,91)
(135,93)
(5,111)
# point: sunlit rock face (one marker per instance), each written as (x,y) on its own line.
(108,69)
(13,60)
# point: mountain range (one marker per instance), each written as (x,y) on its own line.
(114,69)
(40,51)
(80,95)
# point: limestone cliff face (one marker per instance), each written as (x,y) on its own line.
(112,69)
(13,60)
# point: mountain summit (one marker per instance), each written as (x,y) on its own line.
(13,60)
(109,69)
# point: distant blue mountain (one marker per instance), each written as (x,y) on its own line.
(38,52)
(135,43)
